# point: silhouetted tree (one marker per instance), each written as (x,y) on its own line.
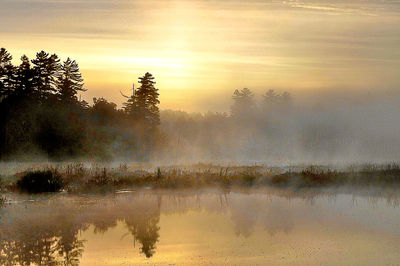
(272,100)
(70,82)
(5,57)
(103,111)
(143,104)
(47,71)
(7,74)
(24,78)
(243,102)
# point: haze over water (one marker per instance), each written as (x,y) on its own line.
(204,227)
(258,132)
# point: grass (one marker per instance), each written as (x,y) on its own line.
(80,176)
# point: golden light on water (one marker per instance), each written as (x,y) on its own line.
(193,228)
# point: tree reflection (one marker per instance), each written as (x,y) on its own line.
(69,247)
(47,232)
(145,231)
(41,248)
(143,225)
(31,235)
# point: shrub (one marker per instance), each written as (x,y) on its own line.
(40,181)
(248,179)
(281,179)
(313,177)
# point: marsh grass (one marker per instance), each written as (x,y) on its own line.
(77,176)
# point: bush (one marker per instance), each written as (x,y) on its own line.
(314,177)
(40,181)
(281,179)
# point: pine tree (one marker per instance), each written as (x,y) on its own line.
(70,82)
(47,70)
(24,78)
(143,104)
(243,102)
(7,74)
(275,101)
(5,57)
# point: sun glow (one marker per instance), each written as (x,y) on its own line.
(201,49)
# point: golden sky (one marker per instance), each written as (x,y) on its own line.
(201,50)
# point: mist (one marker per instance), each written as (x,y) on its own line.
(199,132)
(321,129)
(45,119)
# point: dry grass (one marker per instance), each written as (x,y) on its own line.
(78,176)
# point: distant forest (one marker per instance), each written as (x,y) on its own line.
(42,115)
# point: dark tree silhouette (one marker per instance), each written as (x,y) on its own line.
(40,114)
(24,78)
(143,104)
(5,57)
(70,82)
(47,71)
(7,74)
(103,111)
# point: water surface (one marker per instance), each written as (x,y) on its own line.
(202,227)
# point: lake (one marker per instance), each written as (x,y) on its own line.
(202,227)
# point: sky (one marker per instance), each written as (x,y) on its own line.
(200,51)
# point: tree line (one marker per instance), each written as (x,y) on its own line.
(245,105)
(41,113)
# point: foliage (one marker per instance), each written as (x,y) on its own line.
(143,104)
(70,82)
(40,181)
(42,114)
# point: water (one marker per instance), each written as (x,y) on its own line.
(209,227)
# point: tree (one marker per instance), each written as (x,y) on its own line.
(273,100)
(271,97)
(243,102)
(286,98)
(7,74)
(46,72)
(103,111)
(24,78)
(143,104)
(5,57)
(70,82)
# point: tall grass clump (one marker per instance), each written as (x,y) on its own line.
(2,199)
(40,181)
